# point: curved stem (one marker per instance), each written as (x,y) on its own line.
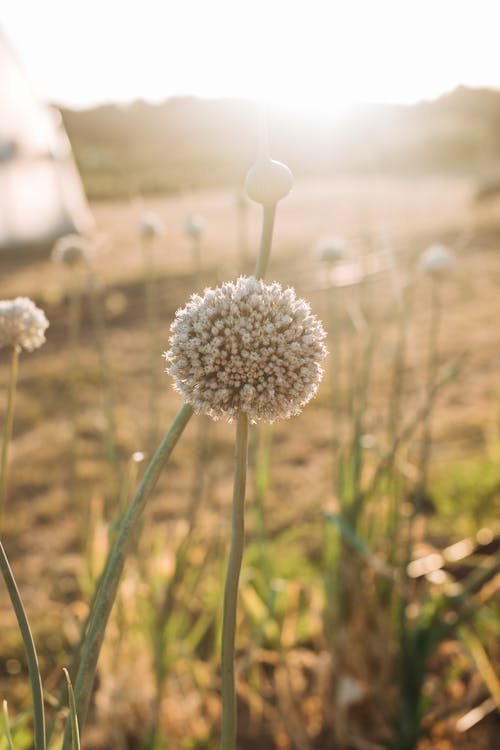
(111,576)
(7,430)
(266,239)
(29,647)
(228,735)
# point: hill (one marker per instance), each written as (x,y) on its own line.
(189,142)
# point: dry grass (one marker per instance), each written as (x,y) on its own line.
(47,531)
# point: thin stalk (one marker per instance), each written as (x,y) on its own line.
(196,260)
(229,717)
(432,365)
(29,648)
(242,210)
(7,430)
(111,576)
(74,326)
(96,306)
(152,317)
(266,239)
(398,372)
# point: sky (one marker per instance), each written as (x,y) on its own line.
(318,56)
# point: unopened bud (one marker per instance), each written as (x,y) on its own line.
(268,181)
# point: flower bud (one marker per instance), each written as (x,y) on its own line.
(437,261)
(194,227)
(150,225)
(268,181)
(72,250)
(332,250)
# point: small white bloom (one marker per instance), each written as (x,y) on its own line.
(194,226)
(72,250)
(150,225)
(22,324)
(246,347)
(331,249)
(268,181)
(437,261)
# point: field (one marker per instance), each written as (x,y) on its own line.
(327,608)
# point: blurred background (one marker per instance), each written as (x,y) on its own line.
(157,99)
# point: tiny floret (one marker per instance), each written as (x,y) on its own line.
(72,250)
(194,226)
(437,261)
(150,225)
(246,346)
(268,181)
(22,324)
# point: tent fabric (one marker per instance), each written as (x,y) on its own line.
(41,195)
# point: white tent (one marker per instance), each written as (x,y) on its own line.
(41,195)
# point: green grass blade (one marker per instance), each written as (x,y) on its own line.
(10,745)
(73,718)
(29,647)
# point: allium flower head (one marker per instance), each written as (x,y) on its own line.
(150,225)
(437,261)
(331,249)
(246,347)
(22,324)
(72,250)
(194,226)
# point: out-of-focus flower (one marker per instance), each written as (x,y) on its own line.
(331,249)
(150,225)
(437,261)
(194,226)
(268,181)
(22,324)
(72,250)
(246,347)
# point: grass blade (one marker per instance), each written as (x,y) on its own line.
(29,647)
(73,718)
(10,745)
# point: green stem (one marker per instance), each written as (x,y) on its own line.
(266,239)
(228,735)
(196,260)
(432,367)
(111,577)
(29,647)
(7,430)
(153,324)
(97,311)
(74,325)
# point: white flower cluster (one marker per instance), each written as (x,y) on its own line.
(437,261)
(72,250)
(246,347)
(22,324)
